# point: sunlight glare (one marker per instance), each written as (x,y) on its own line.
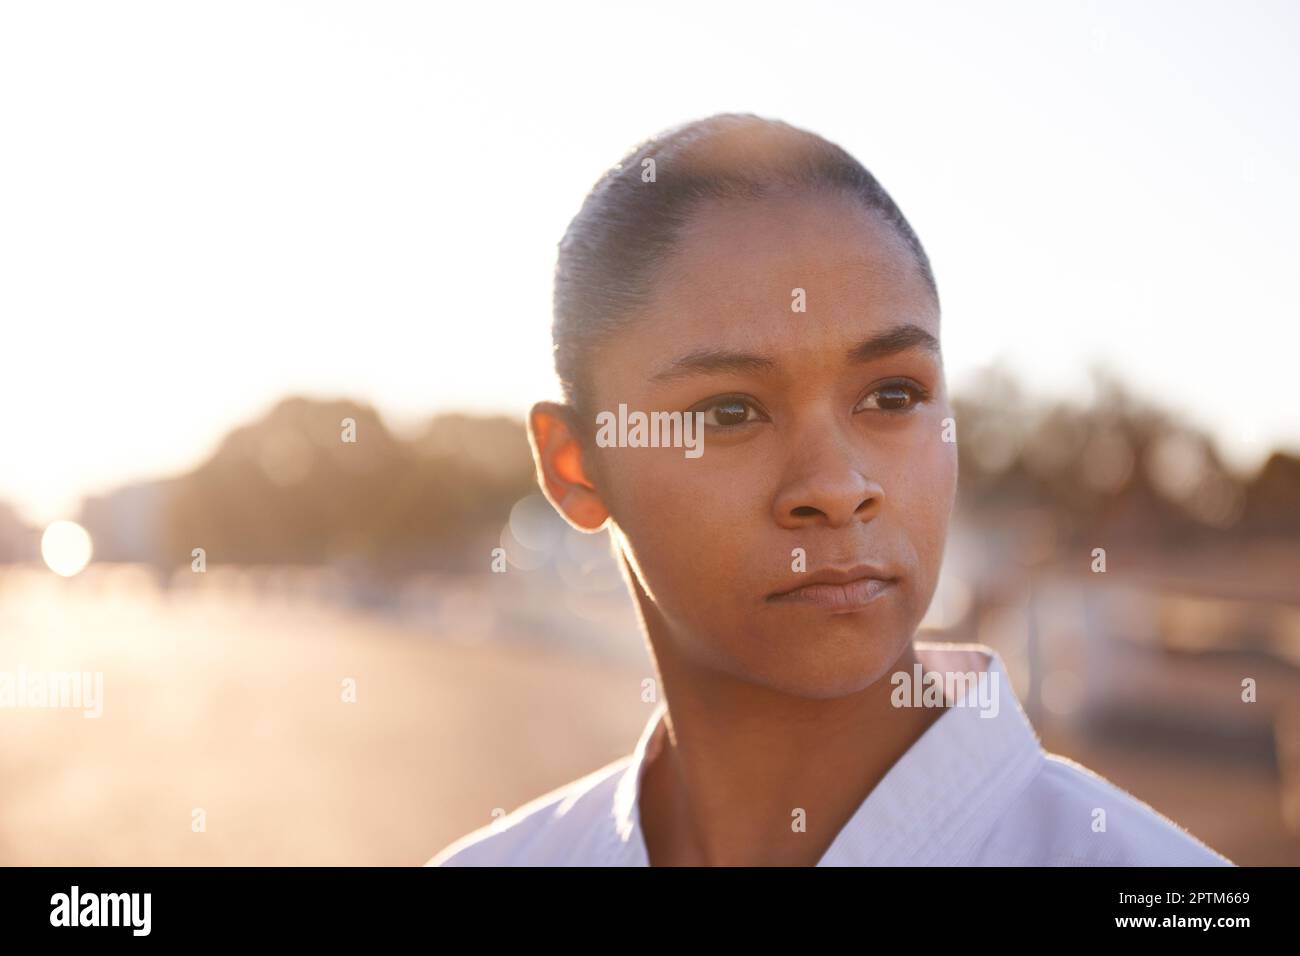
(66,548)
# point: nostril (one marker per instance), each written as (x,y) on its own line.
(866,503)
(805,511)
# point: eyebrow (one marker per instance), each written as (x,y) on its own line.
(901,338)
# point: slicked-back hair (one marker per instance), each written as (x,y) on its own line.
(627,229)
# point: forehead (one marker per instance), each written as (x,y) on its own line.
(738,263)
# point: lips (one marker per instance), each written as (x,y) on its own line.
(838,590)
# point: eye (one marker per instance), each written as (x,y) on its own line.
(728,412)
(893,397)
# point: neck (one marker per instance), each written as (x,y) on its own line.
(749,776)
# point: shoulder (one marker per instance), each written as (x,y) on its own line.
(566,826)
(1071,816)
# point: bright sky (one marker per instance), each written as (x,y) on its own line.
(206,206)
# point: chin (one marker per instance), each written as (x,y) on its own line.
(816,686)
(834,663)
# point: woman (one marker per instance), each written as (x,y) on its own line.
(755,279)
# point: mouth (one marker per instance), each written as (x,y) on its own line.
(838,591)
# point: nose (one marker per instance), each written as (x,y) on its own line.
(827,484)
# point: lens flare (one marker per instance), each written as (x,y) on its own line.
(66,548)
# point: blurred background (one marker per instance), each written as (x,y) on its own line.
(226,231)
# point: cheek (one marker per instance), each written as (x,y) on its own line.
(685,527)
(922,495)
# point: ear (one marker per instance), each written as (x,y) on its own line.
(557,452)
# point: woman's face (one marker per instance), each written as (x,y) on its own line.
(824,436)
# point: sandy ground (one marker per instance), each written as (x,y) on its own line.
(234,707)
(239,713)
